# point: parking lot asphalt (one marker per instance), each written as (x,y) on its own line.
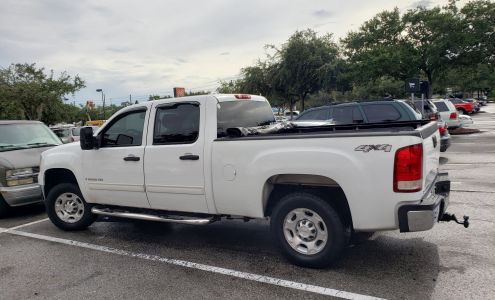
(233,259)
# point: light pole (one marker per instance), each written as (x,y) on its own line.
(103,99)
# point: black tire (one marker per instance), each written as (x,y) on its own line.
(4,208)
(87,217)
(336,240)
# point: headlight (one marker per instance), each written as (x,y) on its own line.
(20,176)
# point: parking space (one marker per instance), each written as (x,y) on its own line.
(233,259)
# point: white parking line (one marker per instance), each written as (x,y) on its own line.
(229,272)
(27,224)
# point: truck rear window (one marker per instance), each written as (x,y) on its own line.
(243,113)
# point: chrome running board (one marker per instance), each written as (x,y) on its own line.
(150,217)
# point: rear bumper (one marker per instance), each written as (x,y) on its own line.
(423,216)
(21,195)
(444,143)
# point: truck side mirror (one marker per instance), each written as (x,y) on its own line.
(86,139)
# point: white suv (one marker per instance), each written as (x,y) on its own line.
(448,113)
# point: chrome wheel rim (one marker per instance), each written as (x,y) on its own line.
(69,207)
(305,231)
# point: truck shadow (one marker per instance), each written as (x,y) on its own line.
(402,267)
(389,265)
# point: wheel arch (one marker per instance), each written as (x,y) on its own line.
(54,176)
(277,186)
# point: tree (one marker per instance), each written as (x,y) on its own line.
(32,90)
(229,87)
(191,93)
(302,63)
(379,49)
(422,42)
(478,33)
(434,36)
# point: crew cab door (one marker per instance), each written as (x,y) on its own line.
(174,159)
(114,172)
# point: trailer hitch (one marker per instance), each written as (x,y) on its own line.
(451,217)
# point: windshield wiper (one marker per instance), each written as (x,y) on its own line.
(6,146)
(41,144)
(11,147)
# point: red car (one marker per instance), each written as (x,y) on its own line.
(462,106)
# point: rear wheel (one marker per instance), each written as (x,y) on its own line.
(67,208)
(4,208)
(308,231)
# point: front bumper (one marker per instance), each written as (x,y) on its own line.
(423,216)
(22,194)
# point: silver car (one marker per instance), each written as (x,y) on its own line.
(21,144)
(67,134)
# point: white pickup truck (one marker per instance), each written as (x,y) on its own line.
(183,160)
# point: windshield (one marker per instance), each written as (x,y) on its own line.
(243,113)
(24,136)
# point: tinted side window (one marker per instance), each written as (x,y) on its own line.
(346,115)
(426,107)
(317,114)
(125,131)
(441,106)
(377,113)
(176,124)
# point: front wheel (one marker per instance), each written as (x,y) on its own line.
(67,208)
(308,231)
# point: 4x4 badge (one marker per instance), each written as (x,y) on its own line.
(368,148)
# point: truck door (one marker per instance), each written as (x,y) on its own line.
(174,160)
(114,172)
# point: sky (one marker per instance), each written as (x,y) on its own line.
(147,47)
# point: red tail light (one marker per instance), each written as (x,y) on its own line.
(453,116)
(442,130)
(408,169)
(243,97)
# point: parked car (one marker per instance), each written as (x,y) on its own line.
(462,107)
(483,101)
(465,120)
(198,169)
(291,115)
(67,134)
(427,109)
(448,113)
(477,105)
(444,136)
(21,144)
(364,112)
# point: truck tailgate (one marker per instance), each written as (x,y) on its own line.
(431,153)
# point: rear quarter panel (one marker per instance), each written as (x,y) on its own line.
(241,168)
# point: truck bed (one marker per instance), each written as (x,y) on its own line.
(294,130)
